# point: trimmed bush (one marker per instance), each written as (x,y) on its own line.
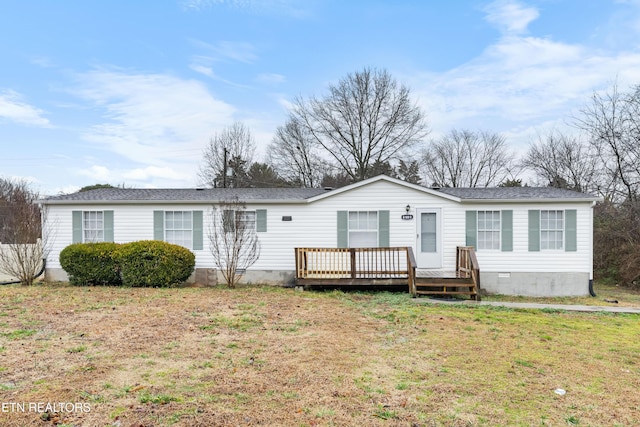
(91,263)
(154,263)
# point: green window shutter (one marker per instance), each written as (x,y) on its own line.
(158,225)
(471,226)
(507,231)
(76,220)
(570,230)
(534,230)
(343,229)
(107,217)
(383,229)
(197,231)
(261,220)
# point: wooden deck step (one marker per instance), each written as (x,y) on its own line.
(447,292)
(443,281)
(431,274)
(441,284)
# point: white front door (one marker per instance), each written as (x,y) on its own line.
(429,242)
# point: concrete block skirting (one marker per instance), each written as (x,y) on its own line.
(535,284)
(213,277)
(522,283)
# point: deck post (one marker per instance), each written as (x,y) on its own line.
(411,271)
(352,253)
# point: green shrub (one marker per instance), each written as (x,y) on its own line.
(154,263)
(91,263)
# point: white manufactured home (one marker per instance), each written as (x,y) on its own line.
(528,241)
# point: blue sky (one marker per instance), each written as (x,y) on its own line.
(131,91)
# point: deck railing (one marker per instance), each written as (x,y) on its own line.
(467,265)
(356,264)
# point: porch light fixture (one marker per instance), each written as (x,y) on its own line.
(407,208)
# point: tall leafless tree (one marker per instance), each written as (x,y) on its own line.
(612,120)
(227,157)
(295,155)
(233,240)
(366,118)
(465,158)
(562,160)
(21,232)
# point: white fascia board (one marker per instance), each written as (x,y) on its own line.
(359,184)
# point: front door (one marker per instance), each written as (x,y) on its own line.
(429,239)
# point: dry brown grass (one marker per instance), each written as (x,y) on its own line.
(266,356)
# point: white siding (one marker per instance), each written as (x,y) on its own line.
(130,223)
(520,259)
(315,224)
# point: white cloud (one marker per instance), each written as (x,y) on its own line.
(15,109)
(143,174)
(153,119)
(293,8)
(198,67)
(521,80)
(510,16)
(271,78)
(207,71)
(42,61)
(284,101)
(226,50)
(99,174)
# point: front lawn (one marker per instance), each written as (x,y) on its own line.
(270,356)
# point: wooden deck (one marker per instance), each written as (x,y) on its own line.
(351,267)
(385,268)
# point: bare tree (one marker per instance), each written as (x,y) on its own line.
(465,158)
(564,161)
(366,118)
(21,223)
(227,158)
(234,242)
(295,155)
(612,120)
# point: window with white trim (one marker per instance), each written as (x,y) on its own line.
(363,229)
(178,228)
(231,219)
(247,218)
(488,230)
(551,230)
(92,226)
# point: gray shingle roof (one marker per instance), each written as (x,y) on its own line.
(516,193)
(296,195)
(111,195)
